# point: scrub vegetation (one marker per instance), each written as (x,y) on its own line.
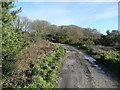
(32,57)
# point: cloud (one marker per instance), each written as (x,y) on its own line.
(63,21)
(59,12)
(93,15)
(54,14)
(107,14)
(59,16)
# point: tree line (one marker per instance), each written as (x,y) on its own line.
(70,34)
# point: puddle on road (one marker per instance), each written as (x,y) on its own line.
(71,59)
(92,60)
(96,66)
(99,68)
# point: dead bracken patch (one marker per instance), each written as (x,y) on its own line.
(32,53)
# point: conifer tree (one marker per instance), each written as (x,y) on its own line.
(13,41)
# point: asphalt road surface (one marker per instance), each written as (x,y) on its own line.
(81,71)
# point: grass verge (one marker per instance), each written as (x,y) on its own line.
(110,59)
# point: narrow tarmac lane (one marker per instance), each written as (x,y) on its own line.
(77,72)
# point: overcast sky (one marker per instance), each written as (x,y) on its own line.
(99,15)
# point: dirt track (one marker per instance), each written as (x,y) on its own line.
(77,72)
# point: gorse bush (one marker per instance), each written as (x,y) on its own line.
(46,70)
(12,45)
(43,72)
(89,42)
(13,41)
(111,39)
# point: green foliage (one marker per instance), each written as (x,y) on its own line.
(7,14)
(89,42)
(111,59)
(111,39)
(44,74)
(40,26)
(47,69)
(13,42)
(112,62)
(71,34)
(12,45)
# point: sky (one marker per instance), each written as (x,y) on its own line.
(102,16)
